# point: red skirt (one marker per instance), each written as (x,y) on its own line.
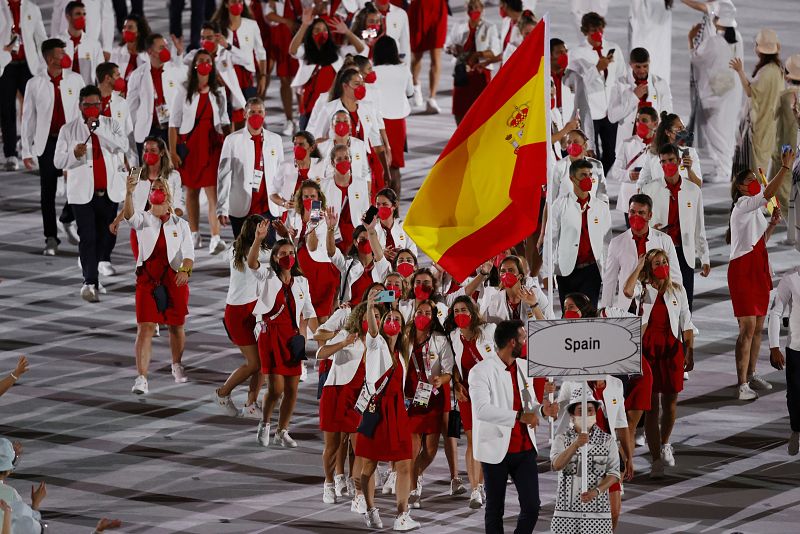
(205,147)
(396,133)
(392,439)
(273,349)
(146,310)
(278,48)
(664,353)
(466,414)
(376,170)
(337,406)
(135,245)
(641,391)
(465,96)
(428,420)
(323,281)
(240,323)
(427,20)
(750,282)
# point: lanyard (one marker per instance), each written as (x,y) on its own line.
(427,362)
(473,350)
(513,313)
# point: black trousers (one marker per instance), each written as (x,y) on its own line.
(687,273)
(15,77)
(586,280)
(202,10)
(605,140)
(121,11)
(48,176)
(793,388)
(521,467)
(238,222)
(93,219)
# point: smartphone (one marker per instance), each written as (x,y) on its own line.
(611,52)
(316,211)
(385,296)
(370,215)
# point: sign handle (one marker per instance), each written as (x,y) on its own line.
(551,398)
(585,448)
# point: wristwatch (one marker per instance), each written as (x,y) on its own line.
(187,270)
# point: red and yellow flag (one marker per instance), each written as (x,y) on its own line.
(482,195)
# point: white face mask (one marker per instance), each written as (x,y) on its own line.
(590,421)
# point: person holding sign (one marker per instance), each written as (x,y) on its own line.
(665,315)
(588,511)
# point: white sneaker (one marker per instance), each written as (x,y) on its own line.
(757,382)
(414,498)
(351,486)
(140,386)
(71,229)
(197,239)
(389,485)
(50,246)
(216,245)
(252,411)
(100,289)
(283,439)
(340,485)
(457,486)
(262,435)
(158,331)
(476,499)
(794,444)
(640,440)
(106,269)
(328,494)
(288,128)
(657,469)
(668,455)
(89,293)
(359,505)
(11,164)
(746,393)
(418,96)
(225,404)
(432,107)
(179,373)
(685,376)
(303,372)
(381,476)
(404,522)
(373,518)
(482,488)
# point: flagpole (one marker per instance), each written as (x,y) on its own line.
(549,202)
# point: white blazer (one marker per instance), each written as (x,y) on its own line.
(493,414)
(399,235)
(142,192)
(243,286)
(677,302)
(397,28)
(37,109)
(320,122)
(285,180)
(440,355)
(484,344)
(583,60)
(652,171)
(250,44)
(121,113)
(690,214)
(623,104)
(358,199)
(621,261)
(224,61)
(99,21)
(80,175)
(33,34)
(748,224)
(345,362)
(305,70)
(566,219)
(141,94)
(632,154)
(359,164)
(320,254)
(379,360)
(395,86)
(303,309)
(351,270)
(494,307)
(235,181)
(487,39)
(562,185)
(182,113)
(176,232)
(120,56)
(508,25)
(90,55)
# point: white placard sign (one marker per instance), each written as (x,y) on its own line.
(585,347)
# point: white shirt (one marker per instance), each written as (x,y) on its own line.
(99,21)
(244,287)
(37,109)
(786,294)
(32,35)
(583,60)
(395,86)
(748,224)
(319,254)
(90,55)
(650,27)
(306,69)
(176,233)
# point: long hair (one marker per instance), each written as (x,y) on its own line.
(342,77)
(247,235)
(476,322)
(193,82)
(353,322)
(665,124)
(309,137)
(583,303)
(400,251)
(766,59)
(298,196)
(517,261)
(647,276)
(400,344)
(165,163)
(390,195)
(360,19)
(353,250)
(273,259)
(434,296)
(738,180)
(436,325)
(142,31)
(327,55)
(385,52)
(222,16)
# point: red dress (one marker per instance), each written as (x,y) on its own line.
(477,80)
(273,344)
(663,351)
(361,285)
(337,406)
(750,282)
(639,394)
(156,269)
(319,82)
(392,439)
(469,359)
(280,36)
(396,134)
(323,278)
(345,221)
(427,21)
(240,323)
(205,146)
(425,419)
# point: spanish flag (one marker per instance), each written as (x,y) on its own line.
(482,195)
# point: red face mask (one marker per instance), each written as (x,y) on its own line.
(754,188)
(572,314)
(360,92)
(204,69)
(574,150)
(128,36)
(209,45)
(462,320)
(300,152)
(422,322)
(255,121)
(157,197)
(371,77)
(563,60)
(236,9)
(384,212)
(585,184)
(509,279)
(502,12)
(422,292)
(670,169)
(120,85)
(79,23)
(391,327)
(642,130)
(151,158)
(286,262)
(364,325)
(165,55)
(661,272)
(343,167)
(364,247)
(321,38)
(91,112)
(341,129)
(405,269)
(66,62)
(474,15)
(307,204)
(637,222)
(596,36)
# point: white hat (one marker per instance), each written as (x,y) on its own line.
(726,13)
(7,455)
(767,41)
(576,397)
(793,67)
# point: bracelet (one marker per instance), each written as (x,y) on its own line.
(535,305)
(785,167)
(15,377)
(483,273)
